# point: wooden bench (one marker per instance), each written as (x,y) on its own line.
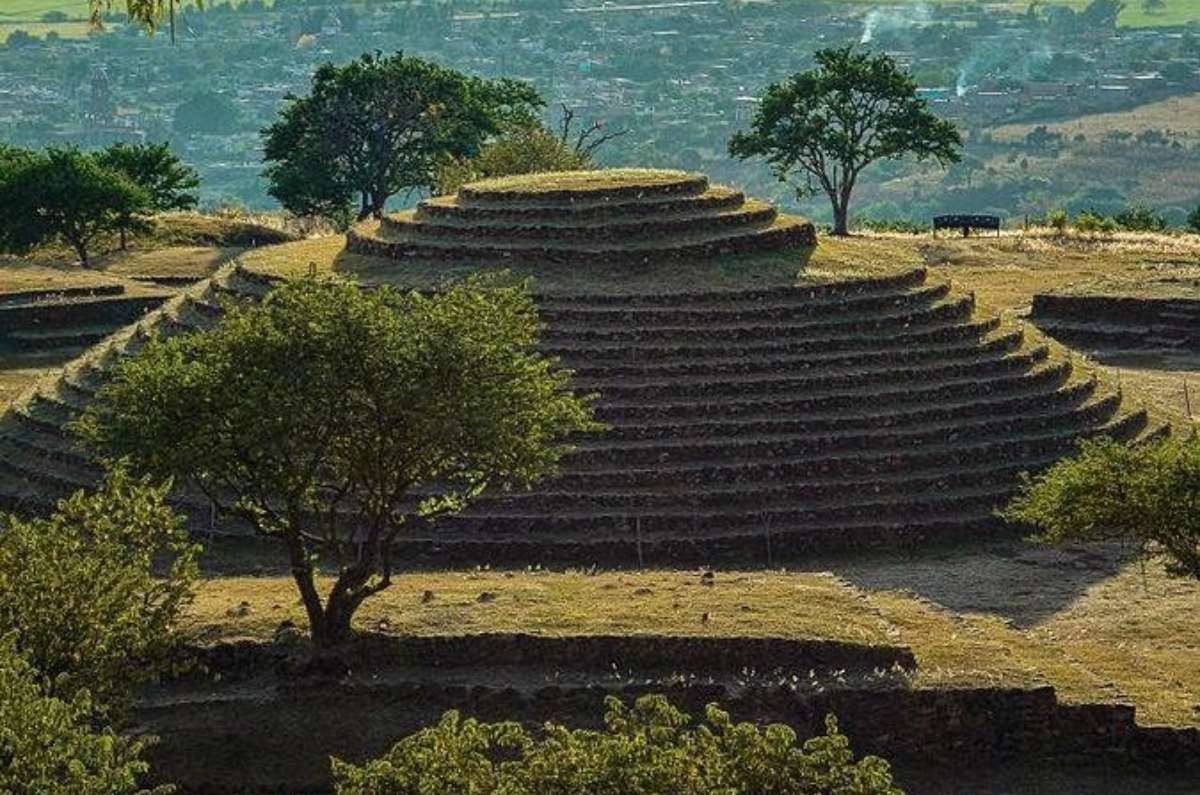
(966,223)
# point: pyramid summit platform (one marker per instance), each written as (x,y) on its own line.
(588,217)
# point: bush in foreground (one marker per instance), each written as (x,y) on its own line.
(79,594)
(648,749)
(1145,494)
(48,746)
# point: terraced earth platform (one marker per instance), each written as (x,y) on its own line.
(581,218)
(759,423)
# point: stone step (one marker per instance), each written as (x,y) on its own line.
(731,362)
(652,389)
(785,232)
(1035,444)
(601,449)
(715,198)
(413,225)
(1046,377)
(865,324)
(908,335)
(757,312)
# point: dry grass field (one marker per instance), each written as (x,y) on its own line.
(1179,116)
(1005,614)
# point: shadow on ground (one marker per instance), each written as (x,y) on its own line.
(1022,582)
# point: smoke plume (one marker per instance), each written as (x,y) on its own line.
(892,18)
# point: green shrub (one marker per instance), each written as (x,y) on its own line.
(1144,494)
(79,594)
(1140,218)
(1057,220)
(48,746)
(648,749)
(1193,220)
(525,150)
(1091,222)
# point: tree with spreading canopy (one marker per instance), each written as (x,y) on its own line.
(379,126)
(335,419)
(155,169)
(64,194)
(1144,494)
(827,124)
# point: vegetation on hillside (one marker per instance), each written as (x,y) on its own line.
(1146,495)
(79,198)
(645,749)
(824,126)
(332,419)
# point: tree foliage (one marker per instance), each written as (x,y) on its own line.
(1145,494)
(150,14)
(644,750)
(334,419)
(825,125)
(156,170)
(79,594)
(49,746)
(207,113)
(381,125)
(64,194)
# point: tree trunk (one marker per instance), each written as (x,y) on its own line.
(124,238)
(335,624)
(841,222)
(81,251)
(305,577)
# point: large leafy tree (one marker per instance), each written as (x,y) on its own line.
(64,194)
(1147,494)
(334,419)
(378,126)
(819,129)
(649,748)
(82,594)
(155,169)
(50,746)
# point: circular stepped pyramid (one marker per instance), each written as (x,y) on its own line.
(610,217)
(868,412)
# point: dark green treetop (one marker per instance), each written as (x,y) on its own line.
(381,125)
(64,194)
